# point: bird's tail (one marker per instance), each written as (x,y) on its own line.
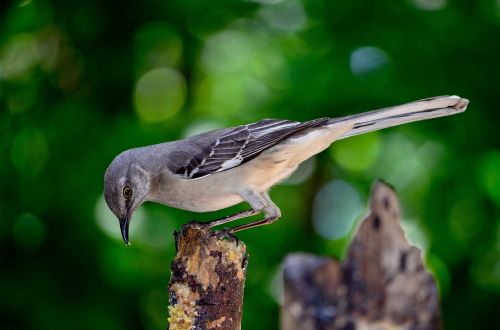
(419,110)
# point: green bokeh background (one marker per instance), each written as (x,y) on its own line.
(81,81)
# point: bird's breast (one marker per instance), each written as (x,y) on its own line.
(205,194)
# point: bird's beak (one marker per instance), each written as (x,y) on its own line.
(124,222)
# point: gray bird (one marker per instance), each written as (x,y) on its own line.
(224,167)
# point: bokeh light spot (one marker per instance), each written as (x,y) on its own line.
(365,60)
(269,65)
(489,174)
(30,152)
(228,51)
(23,3)
(275,285)
(222,96)
(357,154)
(159,94)
(286,16)
(404,164)
(429,4)
(18,57)
(336,208)
(240,65)
(267,2)
(28,232)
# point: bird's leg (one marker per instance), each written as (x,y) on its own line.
(259,203)
(257,223)
(239,215)
(271,211)
(256,201)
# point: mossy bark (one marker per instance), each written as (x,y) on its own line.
(208,278)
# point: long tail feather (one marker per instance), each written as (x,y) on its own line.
(419,110)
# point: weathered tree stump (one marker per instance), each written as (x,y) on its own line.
(382,284)
(208,278)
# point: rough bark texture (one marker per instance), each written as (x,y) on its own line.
(208,277)
(382,284)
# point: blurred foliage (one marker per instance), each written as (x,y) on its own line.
(80,81)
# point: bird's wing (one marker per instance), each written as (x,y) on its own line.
(233,147)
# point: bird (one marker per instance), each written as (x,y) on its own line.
(224,167)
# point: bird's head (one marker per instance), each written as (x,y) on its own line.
(126,186)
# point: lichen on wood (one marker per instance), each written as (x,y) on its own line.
(383,283)
(208,278)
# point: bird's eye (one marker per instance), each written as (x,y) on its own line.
(127,192)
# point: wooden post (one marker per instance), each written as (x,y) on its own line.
(208,278)
(382,284)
